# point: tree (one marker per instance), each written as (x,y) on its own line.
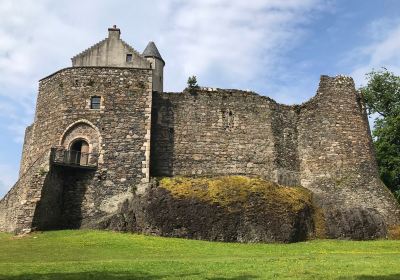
(192,84)
(382,98)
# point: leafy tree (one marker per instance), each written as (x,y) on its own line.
(382,97)
(192,83)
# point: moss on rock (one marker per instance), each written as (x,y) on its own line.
(234,191)
(227,208)
(241,209)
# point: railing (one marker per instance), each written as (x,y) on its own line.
(61,156)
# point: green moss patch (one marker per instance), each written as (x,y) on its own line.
(229,191)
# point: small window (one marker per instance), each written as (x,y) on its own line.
(95,102)
(129,57)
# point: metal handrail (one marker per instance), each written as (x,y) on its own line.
(73,158)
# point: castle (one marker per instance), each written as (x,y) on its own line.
(104,127)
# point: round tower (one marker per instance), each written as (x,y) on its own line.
(152,54)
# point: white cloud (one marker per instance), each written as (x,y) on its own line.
(236,41)
(382,51)
(227,43)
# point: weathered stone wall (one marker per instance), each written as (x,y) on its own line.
(47,214)
(119,132)
(337,160)
(222,132)
(111,52)
(64,203)
(158,73)
(324,145)
(17,207)
(25,160)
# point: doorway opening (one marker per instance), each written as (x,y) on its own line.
(79,152)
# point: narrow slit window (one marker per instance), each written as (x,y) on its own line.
(129,57)
(95,102)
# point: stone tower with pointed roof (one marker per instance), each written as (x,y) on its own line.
(152,54)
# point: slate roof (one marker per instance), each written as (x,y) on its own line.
(152,51)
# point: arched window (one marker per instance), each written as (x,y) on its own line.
(79,152)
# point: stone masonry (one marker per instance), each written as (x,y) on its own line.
(109,112)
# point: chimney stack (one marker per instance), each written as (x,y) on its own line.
(114,32)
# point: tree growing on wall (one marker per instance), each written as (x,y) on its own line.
(192,84)
(382,98)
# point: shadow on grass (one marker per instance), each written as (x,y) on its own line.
(87,276)
(242,277)
(112,276)
(373,277)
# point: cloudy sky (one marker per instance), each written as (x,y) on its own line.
(277,48)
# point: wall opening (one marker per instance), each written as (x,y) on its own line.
(129,57)
(79,152)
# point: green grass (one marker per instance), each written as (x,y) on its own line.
(108,255)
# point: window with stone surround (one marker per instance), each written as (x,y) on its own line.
(95,102)
(128,57)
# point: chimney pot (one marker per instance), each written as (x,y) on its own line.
(114,32)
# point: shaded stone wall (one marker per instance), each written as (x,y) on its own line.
(48,208)
(284,123)
(223,132)
(64,202)
(17,207)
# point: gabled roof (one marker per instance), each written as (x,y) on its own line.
(83,53)
(152,51)
(89,49)
(131,48)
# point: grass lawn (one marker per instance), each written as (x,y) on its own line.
(108,255)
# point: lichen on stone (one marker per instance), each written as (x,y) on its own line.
(231,191)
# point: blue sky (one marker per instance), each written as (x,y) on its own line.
(277,48)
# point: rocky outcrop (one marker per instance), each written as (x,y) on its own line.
(239,209)
(233,209)
(355,223)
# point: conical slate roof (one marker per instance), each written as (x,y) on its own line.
(152,51)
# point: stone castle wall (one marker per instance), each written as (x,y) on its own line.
(337,160)
(223,132)
(323,144)
(17,207)
(120,135)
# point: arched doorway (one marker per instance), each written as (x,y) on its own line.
(79,152)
